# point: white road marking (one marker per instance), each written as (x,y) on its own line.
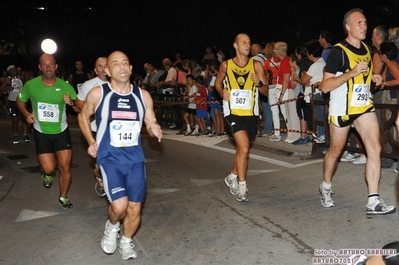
(204,182)
(161,191)
(27,215)
(211,143)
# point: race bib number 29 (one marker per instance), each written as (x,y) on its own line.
(360,95)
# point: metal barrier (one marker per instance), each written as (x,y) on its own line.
(169,108)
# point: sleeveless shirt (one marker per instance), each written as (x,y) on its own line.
(354,96)
(16,84)
(119,119)
(243,91)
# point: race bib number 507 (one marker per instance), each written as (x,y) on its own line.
(240,99)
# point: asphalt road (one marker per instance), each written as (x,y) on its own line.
(189,216)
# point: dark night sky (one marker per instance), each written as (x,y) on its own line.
(154,30)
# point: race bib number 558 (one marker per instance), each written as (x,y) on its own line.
(47,112)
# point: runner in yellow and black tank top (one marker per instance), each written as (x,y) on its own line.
(354,96)
(243,91)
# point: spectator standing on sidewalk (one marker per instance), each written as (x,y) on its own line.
(168,83)
(215,104)
(239,81)
(190,114)
(288,109)
(348,75)
(304,108)
(272,66)
(312,77)
(267,116)
(49,96)
(201,106)
(123,172)
(325,40)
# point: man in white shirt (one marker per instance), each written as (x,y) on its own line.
(101,78)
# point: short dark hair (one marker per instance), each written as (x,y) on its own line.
(294,58)
(179,65)
(190,76)
(327,35)
(389,49)
(315,49)
(301,50)
(200,80)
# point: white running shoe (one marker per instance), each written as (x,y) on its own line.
(360,160)
(289,141)
(232,184)
(126,249)
(321,139)
(275,138)
(242,195)
(380,208)
(188,132)
(194,133)
(268,135)
(326,199)
(109,240)
(348,157)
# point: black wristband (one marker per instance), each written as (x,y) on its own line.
(260,84)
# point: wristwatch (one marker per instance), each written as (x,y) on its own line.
(260,84)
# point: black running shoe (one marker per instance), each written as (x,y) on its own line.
(47,180)
(99,190)
(65,203)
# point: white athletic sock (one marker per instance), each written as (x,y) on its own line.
(125,239)
(232,176)
(242,183)
(326,186)
(113,226)
(372,198)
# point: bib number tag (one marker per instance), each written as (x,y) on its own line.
(48,112)
(124,133)
(240,99)
(360,95)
